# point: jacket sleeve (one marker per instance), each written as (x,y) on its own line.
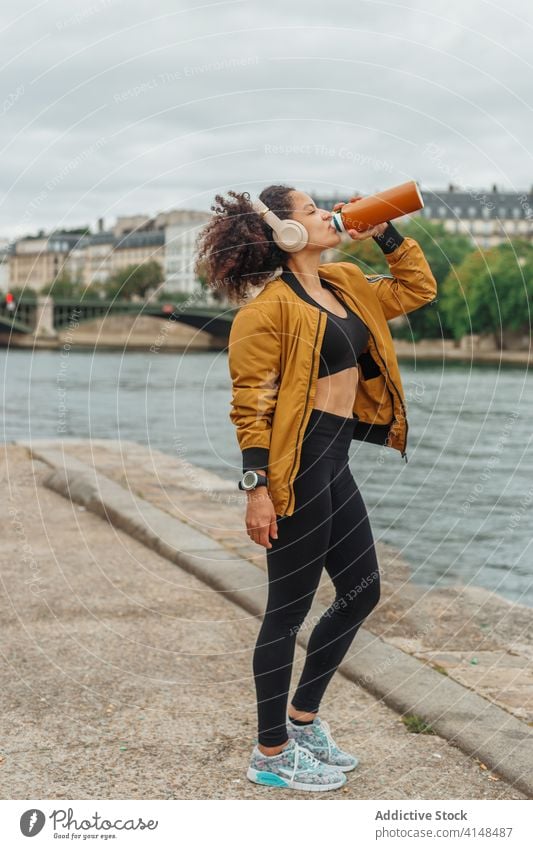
(254,356)
(411,283)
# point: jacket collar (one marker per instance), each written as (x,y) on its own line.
(344,295)
(292,281)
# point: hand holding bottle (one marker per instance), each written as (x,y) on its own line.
(361,213)
(359,235)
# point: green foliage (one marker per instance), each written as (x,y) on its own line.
(64,287)
(204,289)
(366,254)
(24,293)
(444,252)
(134,280)
(491,291)
(416,724)
(165,297)
(202,276)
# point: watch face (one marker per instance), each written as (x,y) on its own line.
(249,479)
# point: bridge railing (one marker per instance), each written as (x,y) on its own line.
(23,312)
(68,310)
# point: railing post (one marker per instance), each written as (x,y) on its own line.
(43,317)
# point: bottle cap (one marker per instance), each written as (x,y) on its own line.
(337,222)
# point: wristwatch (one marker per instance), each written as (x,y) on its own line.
(251,480)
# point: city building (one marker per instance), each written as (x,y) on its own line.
(131,224)
(97,256)
(36,261)
(89,258)
(181,230)
(4,265)
(489,218)
(138,247)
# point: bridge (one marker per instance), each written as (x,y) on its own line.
(45,317)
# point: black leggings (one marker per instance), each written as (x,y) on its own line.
(329,527)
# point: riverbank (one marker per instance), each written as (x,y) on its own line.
(103,633)
(145,333)
(470,349)
(118,333)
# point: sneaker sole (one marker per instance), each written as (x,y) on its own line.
(270,779)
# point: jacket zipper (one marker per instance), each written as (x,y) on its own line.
(403,453)
(306,400)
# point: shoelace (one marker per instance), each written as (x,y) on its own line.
(304,755)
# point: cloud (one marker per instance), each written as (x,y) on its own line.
(147,108)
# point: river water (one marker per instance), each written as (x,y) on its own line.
(460,510)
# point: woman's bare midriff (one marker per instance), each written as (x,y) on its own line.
(336,393)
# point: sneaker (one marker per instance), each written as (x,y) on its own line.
(294,767)
(317,738)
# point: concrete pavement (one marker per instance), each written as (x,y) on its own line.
(141,652)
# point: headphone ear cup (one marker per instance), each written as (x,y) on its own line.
(290,235)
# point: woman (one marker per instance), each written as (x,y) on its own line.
(313,366)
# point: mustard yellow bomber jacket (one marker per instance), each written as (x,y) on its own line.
(274,355)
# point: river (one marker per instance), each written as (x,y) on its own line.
(460,510)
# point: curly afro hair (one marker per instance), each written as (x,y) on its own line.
(235,250)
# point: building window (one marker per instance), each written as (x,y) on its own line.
(428,211)
(472,211)
(442,211)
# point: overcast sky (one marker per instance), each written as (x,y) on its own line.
(112,108)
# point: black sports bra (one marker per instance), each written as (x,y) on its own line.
(344,338)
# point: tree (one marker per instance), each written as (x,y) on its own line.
(134,280)
(163,296)
(218,293)
(24,293)
(365,254)
(63,286)
(444,251)
(492,291)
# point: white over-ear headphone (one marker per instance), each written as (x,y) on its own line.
(289,235)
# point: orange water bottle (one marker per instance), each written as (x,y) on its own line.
(376,209)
